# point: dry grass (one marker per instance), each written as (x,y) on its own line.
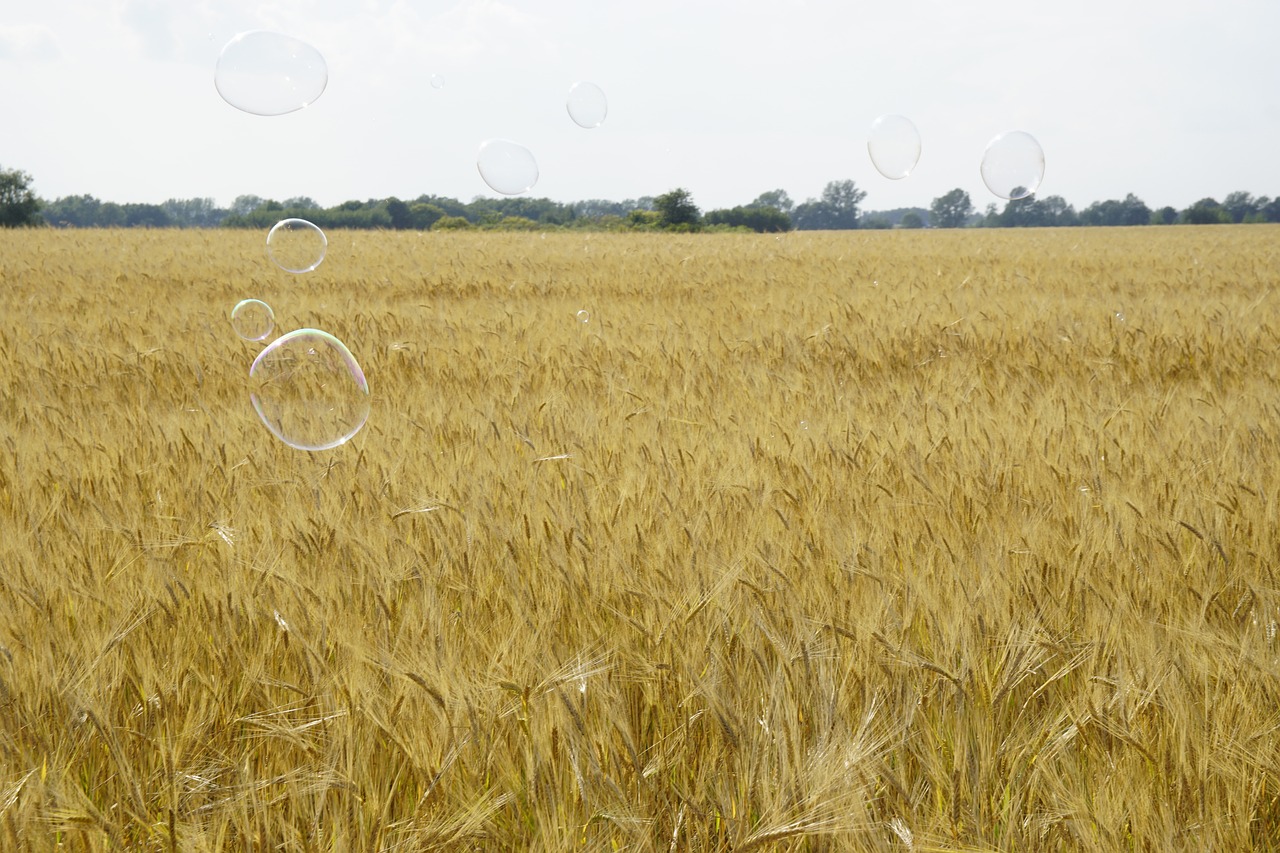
(880,541)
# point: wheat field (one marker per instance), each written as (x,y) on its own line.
(884,541)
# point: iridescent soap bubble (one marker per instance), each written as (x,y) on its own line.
(587,105)
(1013,165)
(253,319)
(296,245)
(584,316)
(894,146)
(507,167)
(308,389)
(269,74)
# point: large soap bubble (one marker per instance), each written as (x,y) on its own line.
(269,74)
(1013,165)
(587,105)
(309,390)
(894,146)
(253,319)
(296,245)
(507,167)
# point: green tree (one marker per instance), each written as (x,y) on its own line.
(951,210)
(777,199)
(1206,211)
(19,207)
(837,209)
(911,219)
(401,215)
(677,210)
(1166,215)
(758,218)
(1240,206)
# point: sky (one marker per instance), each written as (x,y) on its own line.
(1174,101)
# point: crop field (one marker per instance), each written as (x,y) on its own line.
(884,541)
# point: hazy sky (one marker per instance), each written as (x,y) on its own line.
(1173,101)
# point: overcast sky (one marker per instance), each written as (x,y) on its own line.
(1172,101)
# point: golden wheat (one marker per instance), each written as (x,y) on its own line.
(864,541)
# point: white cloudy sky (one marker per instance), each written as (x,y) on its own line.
(1173,101)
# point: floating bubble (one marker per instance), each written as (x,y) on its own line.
(296,245)
(253,319)
(437,82)
(584,316)
(308,389)
(269,74)
(1013,165)
(507,167)
(894,146)
(587,105)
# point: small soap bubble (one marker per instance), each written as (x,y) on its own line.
(587,105)
(584,316)
(252,319)
(507,167)
(437,82)
(1013,165)
(894,146)
(296,245)
(308,389)
(269,74)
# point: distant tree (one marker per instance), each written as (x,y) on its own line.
(1021,213)
(19,207)
(758,218)
(1270,211)
(777,199)
(451,223)
(1206,211)
(951,210)
(193,212)
(1057,211)
(1165,216)
(677,210)
(1240,206)
(875,222)
(837,208)
(911,220)
(643,219)
(246,204)
(146,216)
(301,202)
(401,217)
(423,216)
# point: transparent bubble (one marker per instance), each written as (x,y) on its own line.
(584,316)
(507,167)
(587,105)
(309,390)
(894,146)
(269,74)
(437,82)
(296,245)
(1013,165)
(253,319)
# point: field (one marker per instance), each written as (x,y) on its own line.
(892,541)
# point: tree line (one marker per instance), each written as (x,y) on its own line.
(839,207)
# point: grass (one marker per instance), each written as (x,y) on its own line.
(871,541)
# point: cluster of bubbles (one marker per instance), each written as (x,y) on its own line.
(1012,165)
(306,386)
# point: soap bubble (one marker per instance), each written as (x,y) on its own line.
(587,105)
(584,316)
(309,390)
(1013,165)
(252,319)
(269,74)
(437,82)
(894,146)
(507,167)
(296,245)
